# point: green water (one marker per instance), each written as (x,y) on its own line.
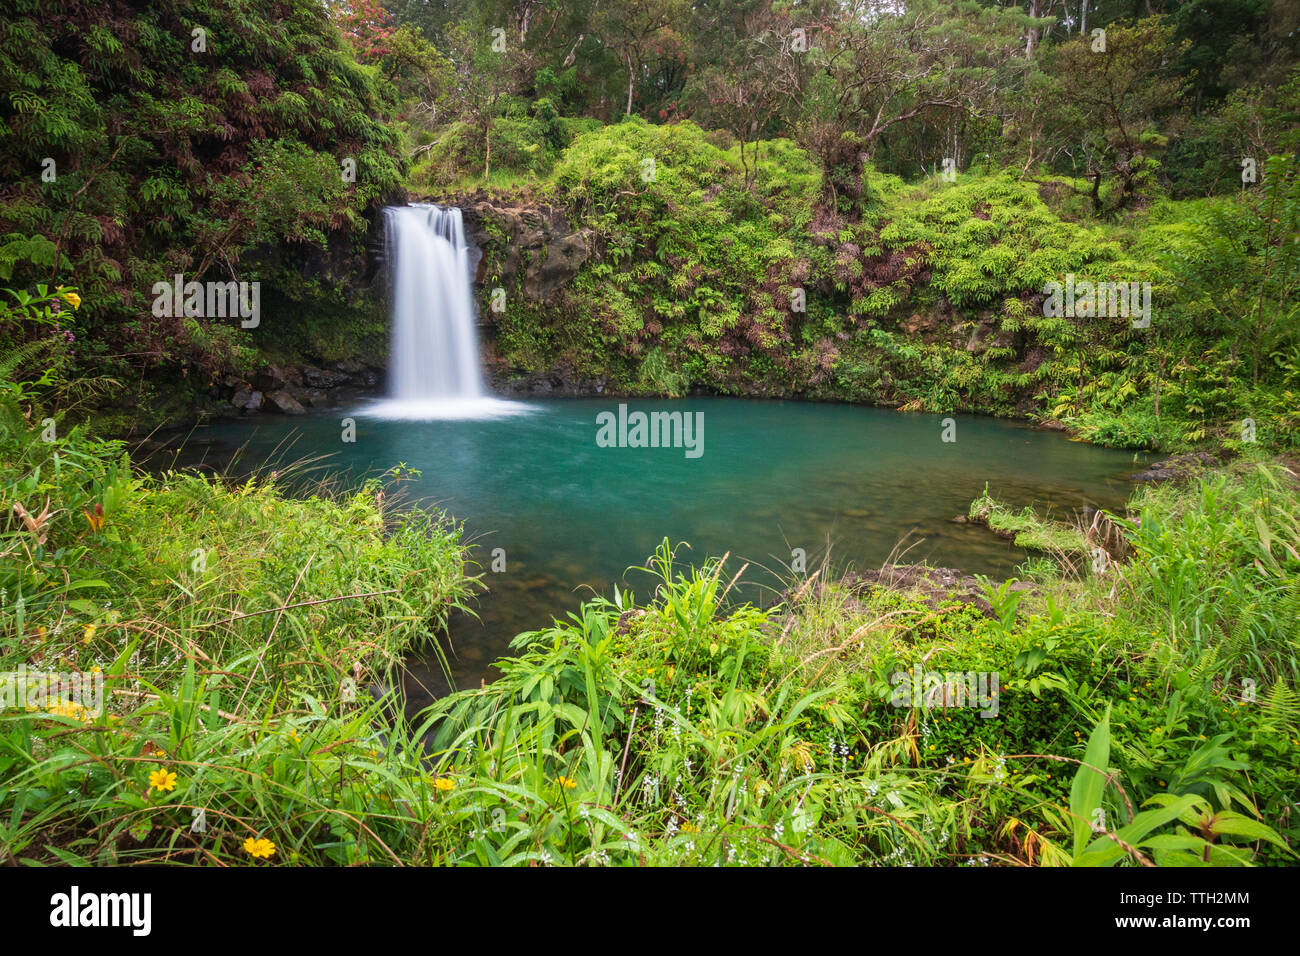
(773,476)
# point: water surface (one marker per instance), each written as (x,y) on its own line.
(571,516)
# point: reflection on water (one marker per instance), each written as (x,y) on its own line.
(571,516)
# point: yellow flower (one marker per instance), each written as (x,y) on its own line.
(72,299)
(689,827)
(162,780)
(566,783)
(445,784)
(88,632)
(70,709)
(259,848)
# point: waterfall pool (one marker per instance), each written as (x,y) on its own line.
(571,512)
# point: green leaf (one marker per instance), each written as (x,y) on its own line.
(1230,823)
(1089,783)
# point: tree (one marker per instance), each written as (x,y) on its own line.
(367,26)
(1119,94)
(876,67)
(635,29)
(742,51)
(482,76)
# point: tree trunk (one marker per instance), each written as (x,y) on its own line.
(1033,31)
(631,81)
(1160,371)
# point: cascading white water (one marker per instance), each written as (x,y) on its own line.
(435,344)
(434,370)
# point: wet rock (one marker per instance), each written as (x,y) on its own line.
(561,380)
(247,400)
(284,403)
(1177,467)
(564,257)
(532,247)
(312,397)
(273,377)
(323,378)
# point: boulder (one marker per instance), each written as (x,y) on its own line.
(247,400)
(564,257)
(323,378)
(284,403)
(1177,468)
(273,377)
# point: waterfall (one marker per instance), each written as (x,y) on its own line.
(435,344)
(434,370)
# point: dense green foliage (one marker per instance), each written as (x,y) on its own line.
(793,235)
(932,297)
(206,139)
(819,199)
(237,631)
(1154,702)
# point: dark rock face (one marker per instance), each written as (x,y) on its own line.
(293,389)
(559,382)
(323,378)
(531,245)
(1178,467)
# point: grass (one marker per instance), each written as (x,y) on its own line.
(1028,530)
(1143,714)
(238,633)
